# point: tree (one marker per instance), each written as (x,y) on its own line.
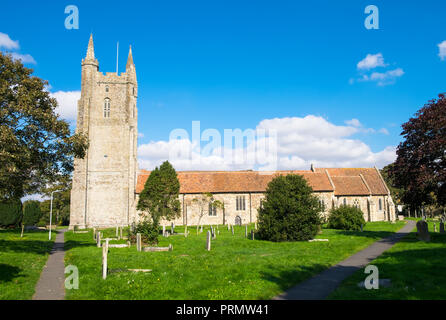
(10,213)
(396,193)
(346,218)
(36,147)
(31,213)
(290,211)
(206,201)
(420,167)
(160,195)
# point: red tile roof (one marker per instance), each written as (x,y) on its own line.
(346,181)
(236,181)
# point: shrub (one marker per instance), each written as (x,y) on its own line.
(10,213)
(149,232)
(31,213)
(346,218)
(290,211)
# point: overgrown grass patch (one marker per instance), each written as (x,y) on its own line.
(417,270)
(235,268)
(22,261)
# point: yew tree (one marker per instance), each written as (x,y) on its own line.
(36,146)
(420,167)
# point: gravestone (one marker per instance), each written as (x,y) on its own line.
(138,241)
(435,227)
(94,233)
(441,227)
(246,231)
(208,241)
(164,230)
(423,231)
(228,226)
(172,226)
(252,234)
(117,231)
(362,227)
(120,233)
(98,240)
(232,229)
(201,228)
(104,260)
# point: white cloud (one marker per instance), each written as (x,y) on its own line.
(384,131)
(25,58)
(354,123)
(67,104)
(383,78)
(442,50)
(371,61)
(300,142)
(6,42)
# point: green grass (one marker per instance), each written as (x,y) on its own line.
(417,271)
(22,261)
(235,268)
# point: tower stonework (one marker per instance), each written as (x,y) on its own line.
(104,182)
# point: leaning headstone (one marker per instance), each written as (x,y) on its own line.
(423,231)
(208,241)
(138,241)
(441,227)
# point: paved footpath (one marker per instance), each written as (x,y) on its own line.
(320,286)
(51,285)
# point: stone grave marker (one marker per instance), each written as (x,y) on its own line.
(138,242)
(232,229)
(208,241)
(252,234)
(164,230)
(423,231)
(104,260)
(246,231)
(435,227)
(98,240)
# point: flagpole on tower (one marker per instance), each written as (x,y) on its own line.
(117,57)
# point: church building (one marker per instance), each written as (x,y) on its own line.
(107,182)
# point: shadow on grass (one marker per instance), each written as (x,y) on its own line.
(419,273)
(70,244)
(8,273)
(26,246)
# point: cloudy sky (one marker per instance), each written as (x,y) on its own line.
(333,92)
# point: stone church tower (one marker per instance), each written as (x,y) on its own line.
(103,193)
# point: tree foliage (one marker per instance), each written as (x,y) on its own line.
(31,213)
(10,213)
(160,195)
(36,147)
(290,211)
(346,218)
(420,167)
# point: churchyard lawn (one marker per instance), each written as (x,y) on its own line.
(235,268)
(417,270)
(22,261)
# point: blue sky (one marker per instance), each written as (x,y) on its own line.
(233,64)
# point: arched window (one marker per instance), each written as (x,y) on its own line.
(107,108)
(380,205)
(106,89)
